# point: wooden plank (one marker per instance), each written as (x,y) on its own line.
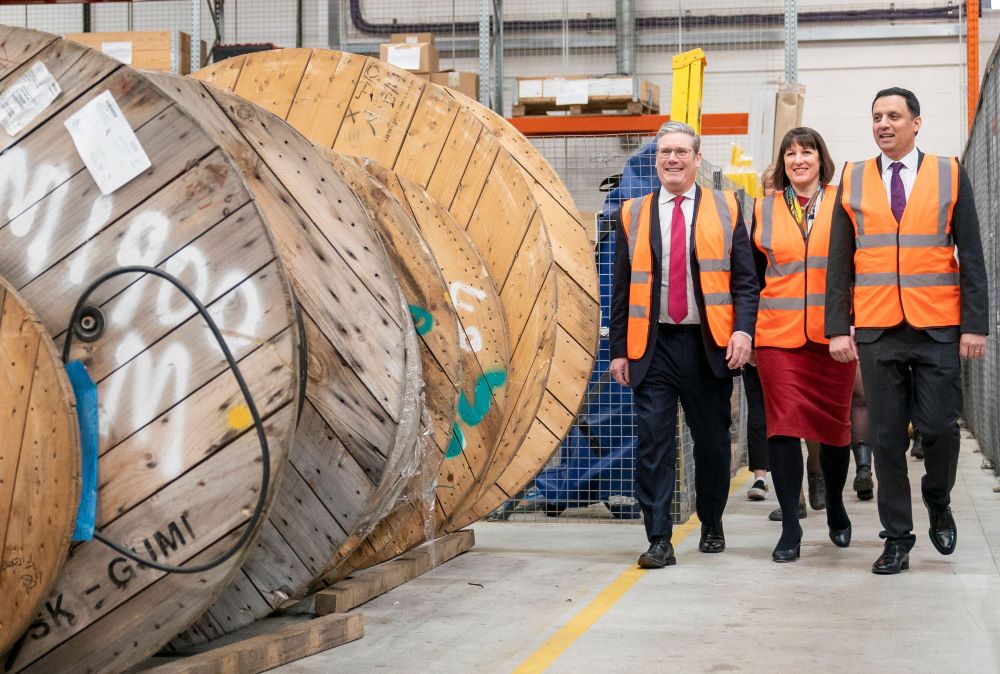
(322,101)
(267,651)
(427,136)
(454,158)
(364,586)
(19,45)
(273,87)
(39,466)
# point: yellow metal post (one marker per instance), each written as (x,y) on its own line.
(688,83)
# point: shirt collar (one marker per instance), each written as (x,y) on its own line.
(910,161)
(666,197)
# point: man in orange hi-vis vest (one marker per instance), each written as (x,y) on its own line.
(683,309)
(906,257)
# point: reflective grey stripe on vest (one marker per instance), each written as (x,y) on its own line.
(816,262)
(928,280)
(726,219)
(857,182)
(716,299)
(816,299)
(905,240)
(767,231)
(782,303)
(640,277)
(633,227)
(944,193)
(785,268)
(879,279)
(636,311)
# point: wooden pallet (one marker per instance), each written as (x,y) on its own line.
(364,586)
(265,645)
(595,107)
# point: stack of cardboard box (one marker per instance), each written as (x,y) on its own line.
(165,50)
(417,53)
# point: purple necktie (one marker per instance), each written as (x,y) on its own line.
(896,191)
(677,299)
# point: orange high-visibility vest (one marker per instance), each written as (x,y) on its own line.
(905,271)
(792,302)
(713,244)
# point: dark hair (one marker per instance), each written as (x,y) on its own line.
(912,104)
(806,137)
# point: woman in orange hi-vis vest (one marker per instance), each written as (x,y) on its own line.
(807,394)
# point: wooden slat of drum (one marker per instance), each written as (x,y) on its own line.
(425,288)
(363,391)
(384,101)
(39,466)
(213,497)
(19,45)
(485,350)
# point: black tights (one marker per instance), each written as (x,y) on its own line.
(785,457)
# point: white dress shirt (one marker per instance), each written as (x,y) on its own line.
(666,206)
(908,174)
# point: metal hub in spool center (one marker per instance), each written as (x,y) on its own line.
(90,325)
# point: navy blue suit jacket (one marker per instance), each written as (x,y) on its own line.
(744,288)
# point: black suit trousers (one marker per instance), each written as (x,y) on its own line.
(907,372)
(679,372)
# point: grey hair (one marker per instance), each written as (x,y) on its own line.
(680,127)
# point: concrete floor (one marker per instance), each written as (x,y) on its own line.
(524,597)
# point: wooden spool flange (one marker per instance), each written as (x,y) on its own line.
(180,463)
(358,439)
(485,358)
(543,268)
(39,465)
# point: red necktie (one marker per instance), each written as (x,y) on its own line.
(677,299)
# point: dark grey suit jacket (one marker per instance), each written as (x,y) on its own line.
(972,276)
(743,285)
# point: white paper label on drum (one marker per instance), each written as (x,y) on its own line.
(573,92)
(120,51)
(27,98)
(106,143)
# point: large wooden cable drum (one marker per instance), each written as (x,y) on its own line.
(547,280)
(358,438)
(485,359)
(39,465)
(180,464)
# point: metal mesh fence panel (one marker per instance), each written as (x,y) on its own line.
(982,161)
(591,477)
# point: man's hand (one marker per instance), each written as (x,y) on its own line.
(843,349)
(972,346)
(619,370)
(738,351)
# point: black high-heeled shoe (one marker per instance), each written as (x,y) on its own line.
(841,537)
(789,554)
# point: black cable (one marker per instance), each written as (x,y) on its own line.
(255,415)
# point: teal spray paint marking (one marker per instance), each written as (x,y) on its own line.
(422,319)
(472,413)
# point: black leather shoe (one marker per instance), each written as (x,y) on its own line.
(943,532)
(917,450)
(863,483)
(659,555)
(712,540)
(894,558)
(788,554)
(775,515)
(817,490)
(841,537)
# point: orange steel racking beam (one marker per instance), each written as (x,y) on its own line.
(718,124)
(972,56)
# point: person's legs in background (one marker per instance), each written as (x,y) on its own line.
(864,485)
(756,433)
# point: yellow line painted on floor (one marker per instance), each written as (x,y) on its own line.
(557,644)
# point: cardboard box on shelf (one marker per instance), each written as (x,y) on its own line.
(412,38)
(417,57)
(464,82)
(164,50)
(584,90)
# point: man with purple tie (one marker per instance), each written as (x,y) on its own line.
(683,309)
(906,264)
